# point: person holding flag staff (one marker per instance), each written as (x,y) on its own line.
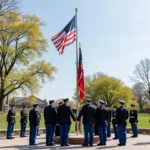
(121,118)
(133,121)
(64,113)
(50,122)
(89,119)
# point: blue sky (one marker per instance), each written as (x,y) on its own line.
(114,34)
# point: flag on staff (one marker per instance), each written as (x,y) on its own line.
(66,36)
(81,77)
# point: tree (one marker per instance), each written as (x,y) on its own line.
(112,90)
(101,86)
(139,94)
(141,75)
(21,47)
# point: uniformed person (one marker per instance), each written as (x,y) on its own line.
(109,122)
(63,118)
(114,123)
(134,120)
(121,118)
(102,122)
(50,122)
(95,126)
(39,123)
(23,121)
(11,121)
(89,116)
(34,119)
(57,131)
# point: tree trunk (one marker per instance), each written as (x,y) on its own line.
(1,103)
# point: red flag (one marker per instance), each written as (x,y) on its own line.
(81,77)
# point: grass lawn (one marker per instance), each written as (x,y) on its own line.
(143,122)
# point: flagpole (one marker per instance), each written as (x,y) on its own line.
(76,10)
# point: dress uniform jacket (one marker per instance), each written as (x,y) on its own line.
(50,115)
(109,115)
(101,115)
(114,113)
(11,116)
(122,115)
(89,115)
(24,116)
(133,116)
(64,113)
(34,117)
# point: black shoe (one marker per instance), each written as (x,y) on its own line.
(67,144)
(85,145)
(101,144)
(24,136)
(9,138)
(12,137)
(61,145)
(133,136)
(91,145)
(121,144)
(38,135)
(115,138)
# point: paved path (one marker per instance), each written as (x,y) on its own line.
(140,143)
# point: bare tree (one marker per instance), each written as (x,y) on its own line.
(139,94)
(7,6)
(141,75)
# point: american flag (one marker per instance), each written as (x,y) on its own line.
(81,77)
(66,36)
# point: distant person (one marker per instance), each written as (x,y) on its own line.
(39,123)
(95,126)
(50,115)
(109,122)
(11,121)
(102,122)
(57,131)
(114,123)
(34,119)
(133,121)
(121,118)
(89,119)
(23,121)
(64,113)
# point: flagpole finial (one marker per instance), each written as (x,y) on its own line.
(76,9)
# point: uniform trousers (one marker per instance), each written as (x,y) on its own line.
(122,133)
(23,129)
(102,129)
(134,129)
(33,133)
(115,128)
(50,130)
(64,133)
(108,130)
(88,129)
(10,129)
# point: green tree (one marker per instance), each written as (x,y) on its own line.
(21,47)
(110,89)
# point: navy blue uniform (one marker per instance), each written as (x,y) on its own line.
(121,118)
(114,123)
(50,122)
(23,122)
(102,122)
(63,118)
(89,119)
(11,121)
(109,123)
(34,119)
(134,120)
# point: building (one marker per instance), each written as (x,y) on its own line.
(29,101)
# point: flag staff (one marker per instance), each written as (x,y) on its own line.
(76,10)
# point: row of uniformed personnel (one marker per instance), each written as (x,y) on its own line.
(61,118)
